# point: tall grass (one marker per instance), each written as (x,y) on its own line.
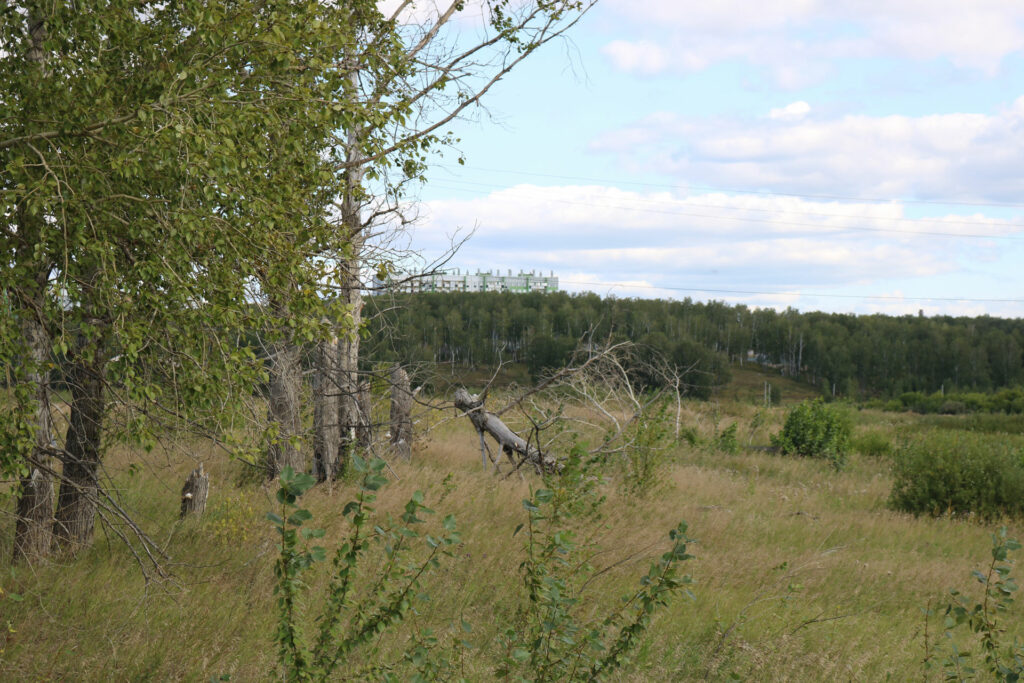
(800,572)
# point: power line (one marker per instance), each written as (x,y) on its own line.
(784,293)
(742,219)
(885,200)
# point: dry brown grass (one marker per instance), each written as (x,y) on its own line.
(801,572)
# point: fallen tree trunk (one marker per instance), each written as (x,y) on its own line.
(509,441)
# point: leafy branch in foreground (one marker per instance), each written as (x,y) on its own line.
(549,639)
(348,622)
(1002,661)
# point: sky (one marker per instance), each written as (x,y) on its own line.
(835,155)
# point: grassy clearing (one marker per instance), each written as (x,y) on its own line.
(801,573)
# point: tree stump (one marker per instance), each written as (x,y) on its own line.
(401,412)
(364,433)
(194,492)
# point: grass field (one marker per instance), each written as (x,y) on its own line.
(801,572)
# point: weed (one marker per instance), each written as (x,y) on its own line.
(347,623)
(815,429)
(873,443)
(551,638)
(1002,661)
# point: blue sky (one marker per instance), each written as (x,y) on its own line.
(841,155)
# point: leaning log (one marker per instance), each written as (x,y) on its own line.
(194,492)
(510,442)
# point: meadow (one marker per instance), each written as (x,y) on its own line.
(800,572)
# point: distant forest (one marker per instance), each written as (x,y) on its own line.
(861,355)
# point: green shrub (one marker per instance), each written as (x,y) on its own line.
(959,473)
(814,429)
(873,443)
(726,441)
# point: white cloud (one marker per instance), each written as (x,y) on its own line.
(954,156)
(610,240)
(791,112)
(795,38)
(643,57)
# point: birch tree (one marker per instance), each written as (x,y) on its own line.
(413,69)
(143,200)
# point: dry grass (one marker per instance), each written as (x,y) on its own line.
(801,572)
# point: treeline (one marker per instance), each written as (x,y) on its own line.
(856,356)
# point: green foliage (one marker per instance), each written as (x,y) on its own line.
(646,451)
(153,160)
(351,616)
(553,636)
(1008,400)
(864,356)
(958,473)
(815,429)
(1001,661)
(991,423)
(873,443)
(726,441)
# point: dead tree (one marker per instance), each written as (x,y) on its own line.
(606,393)
(364,433)
(401,412)
(195,492)
(510,443)
(326,431)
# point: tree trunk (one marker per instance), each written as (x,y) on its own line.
(401,412)
(510,442)
(79,488)
(350,417)
(364,434)
(194,493)
(326,395)
(34,507)
(284,411)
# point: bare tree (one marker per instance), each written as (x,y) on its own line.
(412,73)
(598,394)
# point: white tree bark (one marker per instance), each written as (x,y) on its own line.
(34,506)
(510,442)
(401,412)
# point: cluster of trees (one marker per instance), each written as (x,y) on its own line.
(180,177)
(856,356)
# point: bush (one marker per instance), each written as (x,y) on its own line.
(726,441)
(872,443)
(814,429)
(959,473)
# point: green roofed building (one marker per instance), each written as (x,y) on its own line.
(480,281)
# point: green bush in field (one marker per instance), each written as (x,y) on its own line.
(873,443)
(959,473)
(815,429)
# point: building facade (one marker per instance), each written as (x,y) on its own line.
(480,281)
